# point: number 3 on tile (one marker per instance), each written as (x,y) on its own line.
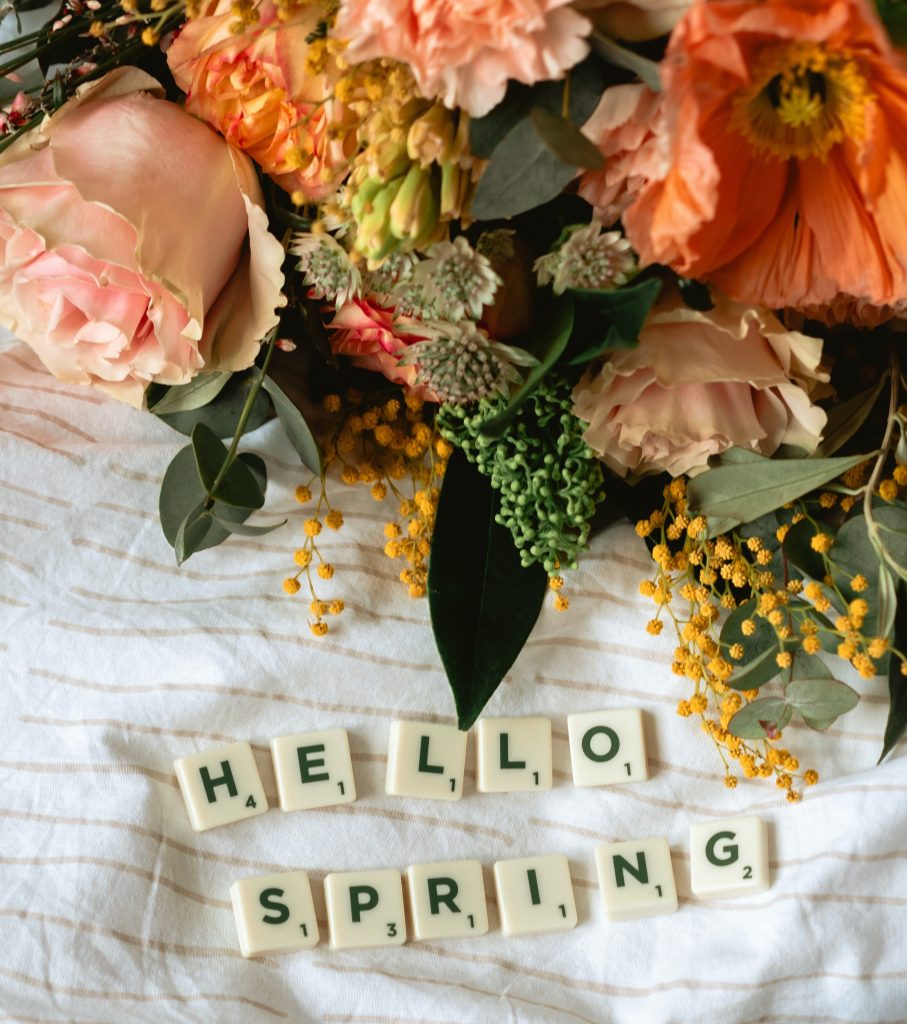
(391,929)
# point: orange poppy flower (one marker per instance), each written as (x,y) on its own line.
(787,184)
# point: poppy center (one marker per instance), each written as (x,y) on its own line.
(802,101)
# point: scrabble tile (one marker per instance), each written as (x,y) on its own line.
(274,913)
(535,894)
(313,769)
(729,857)
(426,760)
(221,786)
(636,879)
(365,908)
(447,900)
(513,754)
(607,747)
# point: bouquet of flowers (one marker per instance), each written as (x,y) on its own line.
(519,269)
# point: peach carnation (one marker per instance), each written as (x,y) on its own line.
(787,126)
(255,89)
(465,51)
(376,340)
(628,127)
(699,383)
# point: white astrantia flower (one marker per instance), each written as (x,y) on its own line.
(463,280)
(461,364)
(394,269)
(414,296)
(326,268)
(588,258)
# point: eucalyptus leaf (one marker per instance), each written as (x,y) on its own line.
(244,530)
(566,141)
(483,602)
(222,413)
(798,549)
(821,701)
(198,392)
(742,492)
(624,310)
(238,486)
(522,174)
(551,332)
(192,533)
(182,492)
(896,725)
(845,420)
(293,422)
(630,60)
(758,665)
(747,723)
(584,89)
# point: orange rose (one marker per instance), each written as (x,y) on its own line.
(253,87)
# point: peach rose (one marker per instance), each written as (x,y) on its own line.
(634,20)
(465,53)
(133,244)
(376,340)
(253,88)
(628,127)
(698,384)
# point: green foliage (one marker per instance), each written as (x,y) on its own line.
(297,430)
(548,479)
(615,317)
(896,725)
(744,485)
(586,84)
(758,665)
(221,413)
(566,141)
(483,602)
(186,397)
(894,16)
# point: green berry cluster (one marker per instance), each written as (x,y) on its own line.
(548,478)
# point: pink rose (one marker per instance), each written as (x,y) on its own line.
(464,53)
(698,384)
(253,88)
(628,128)
(377,341)
(634,20)
(133,244)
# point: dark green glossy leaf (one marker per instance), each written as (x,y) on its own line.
(740,492)
(624,310)
(293,422)
(187,397)
(566,141)
(483,602)
(587,82)
(695,294)
(522,173)
(896,725)
(221,414)
(750,722)
(845,420)
(238,486)
(551,333)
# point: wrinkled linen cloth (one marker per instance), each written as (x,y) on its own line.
(115,662)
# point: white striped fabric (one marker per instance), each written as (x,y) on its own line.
(114,662)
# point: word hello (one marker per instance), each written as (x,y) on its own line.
(275,913)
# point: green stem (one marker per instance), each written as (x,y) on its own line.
(871,527)
(629,60)
(244,417)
